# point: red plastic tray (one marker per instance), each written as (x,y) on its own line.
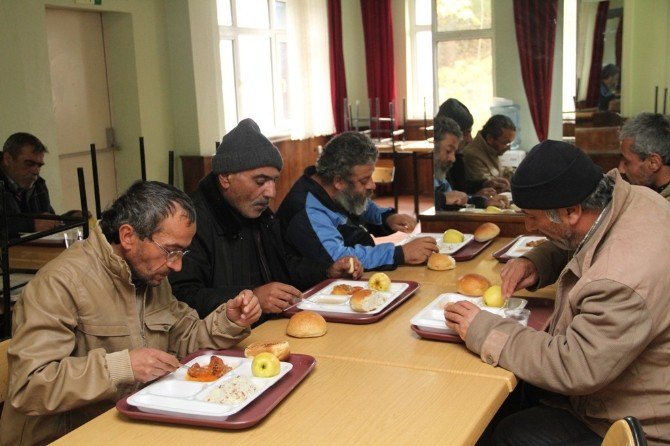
(357,318)
(540,312)
(501,254)
(247,417)
(470,250)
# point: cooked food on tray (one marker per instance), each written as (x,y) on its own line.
(534,243)
(306,324)
(280,349)
(234,391)
(366,300)
(210,372)
(343,289)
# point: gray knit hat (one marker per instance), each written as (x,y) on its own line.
(245,148)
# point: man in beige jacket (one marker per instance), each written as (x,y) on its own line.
(604,354)
(645,152)
(100,319)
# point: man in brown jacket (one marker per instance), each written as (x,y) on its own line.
(604,354)
(100,319)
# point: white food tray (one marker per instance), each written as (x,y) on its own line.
(445,248)
(431,318)
(520,247)
(324,300)
(173,394)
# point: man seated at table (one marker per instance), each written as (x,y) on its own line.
(25,190)
(604,354)
(447,136)
(645,152)
(238,243)
(100,319)
(482,156)
(456,110)
(328,212)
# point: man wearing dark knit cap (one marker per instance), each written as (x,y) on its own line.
(238,243)
(604,354)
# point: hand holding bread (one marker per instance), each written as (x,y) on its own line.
(347,266)
(418,250)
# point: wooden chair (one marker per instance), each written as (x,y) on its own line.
(4,371)
(625,432)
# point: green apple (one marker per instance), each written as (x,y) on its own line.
(452,236)
(379,282)
(265,365)
(493,296)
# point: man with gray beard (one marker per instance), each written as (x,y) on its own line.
(328,212)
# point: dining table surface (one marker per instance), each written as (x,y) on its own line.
(377,383)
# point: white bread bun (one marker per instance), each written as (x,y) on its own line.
(306,324)
(366,300)
(441,262)
(279,348)
(473,285)
(486,232)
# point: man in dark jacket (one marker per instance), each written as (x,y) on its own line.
(328,212)
(238,242)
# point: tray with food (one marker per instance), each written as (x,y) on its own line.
(224,390)
(429,323)
(518,247)
(449,242)
(354,301)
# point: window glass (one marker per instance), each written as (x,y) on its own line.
(255,81)
(422,14)
(280,15)
(252,14)
(465,71)
(459,15)
(223,15)
(282,96)
(228,84)
(424,74)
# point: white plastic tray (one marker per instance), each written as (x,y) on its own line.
(431,317)
(173,394)
(445,248)
(324,300)
(520,247)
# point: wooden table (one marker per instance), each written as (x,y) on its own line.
(32,257)
(511,224)
(373,384)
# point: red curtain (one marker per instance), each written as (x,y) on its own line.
(338,81)
(378,34)
(593,92)
(535,23)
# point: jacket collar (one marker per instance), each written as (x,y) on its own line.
(229,220)
(116,265)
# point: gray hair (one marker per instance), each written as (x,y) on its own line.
(342,153)
(17,141)
(495,125)
(596,201)
(650,133)
(144,206)
(443,126)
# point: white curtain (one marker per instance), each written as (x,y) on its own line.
(309,69)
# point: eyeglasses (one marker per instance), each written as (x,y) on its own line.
(172,256)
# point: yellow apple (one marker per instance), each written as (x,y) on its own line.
(493,296)
(265,365)
(379,282)
(453,236)
(492,210)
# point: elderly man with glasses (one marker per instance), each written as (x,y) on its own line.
(100,319)
(328,213)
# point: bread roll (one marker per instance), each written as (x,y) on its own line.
(306,324)
(486,232)
(280,349)
(473,285)
(366,300)
(441,262)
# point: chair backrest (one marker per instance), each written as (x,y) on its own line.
(625,432)
(4,371)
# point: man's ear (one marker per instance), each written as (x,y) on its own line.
(339,183)
(573,214)
(224,180)
(6,158)
(127,236)
(654,161)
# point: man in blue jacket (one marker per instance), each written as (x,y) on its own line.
(328,212)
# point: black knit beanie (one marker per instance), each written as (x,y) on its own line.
(245,148)
(554,175)
(454,109)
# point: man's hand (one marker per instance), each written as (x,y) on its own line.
(487,192)
(43,225)
(348,266)
(401,222)
(500,201)
(460,315)
(275,296)
(517,274)
(243,309)
(456,197)
(418,250)
(150,363)
(500,184)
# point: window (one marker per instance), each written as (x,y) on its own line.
(254,71)
(456,38)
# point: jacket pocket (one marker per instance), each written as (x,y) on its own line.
(158,326)
(111,338)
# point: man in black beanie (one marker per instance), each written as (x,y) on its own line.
(604,354)
(238,243)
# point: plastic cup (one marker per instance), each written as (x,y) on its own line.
(521,316)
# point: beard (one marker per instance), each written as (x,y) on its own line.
(351,202)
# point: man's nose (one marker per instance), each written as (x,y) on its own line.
(270,189)
(175,265)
